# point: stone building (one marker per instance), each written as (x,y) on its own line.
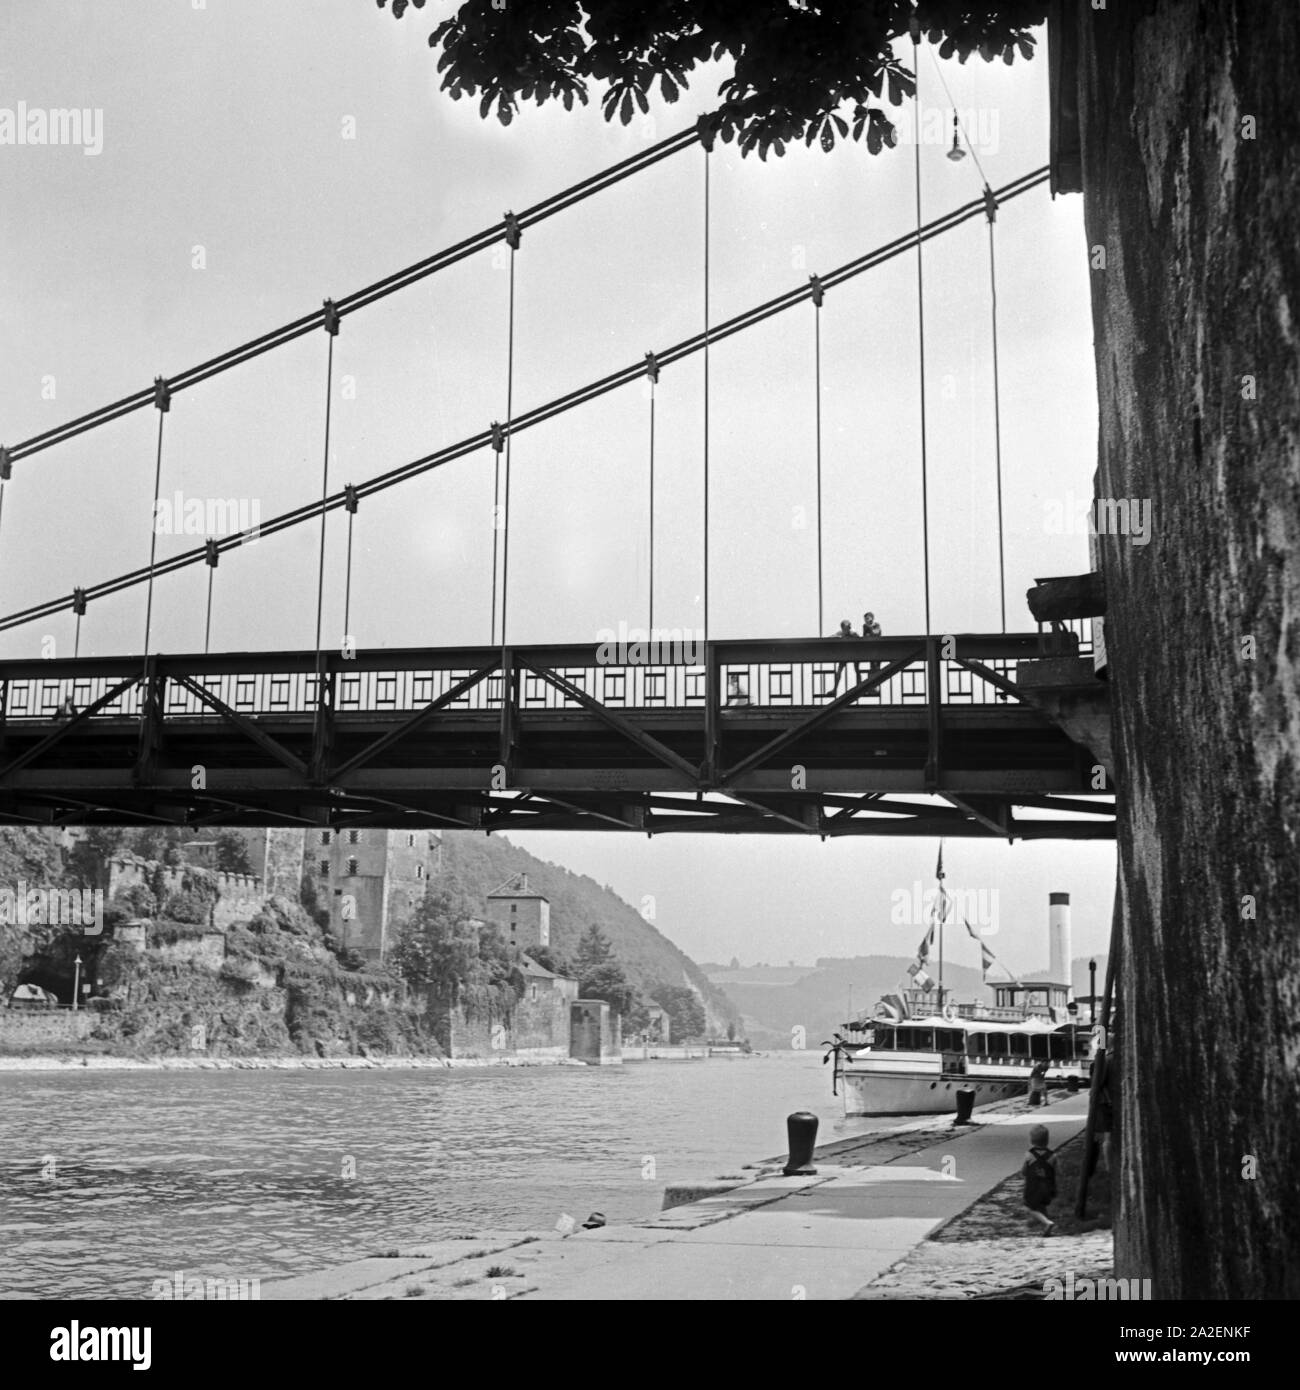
(275,854)
(521,914)
(370,880)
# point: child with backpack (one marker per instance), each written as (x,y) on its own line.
(1039,1169)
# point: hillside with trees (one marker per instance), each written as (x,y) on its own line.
(656,970)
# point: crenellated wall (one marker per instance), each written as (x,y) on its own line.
(240,894)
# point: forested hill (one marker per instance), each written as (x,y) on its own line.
(481,863)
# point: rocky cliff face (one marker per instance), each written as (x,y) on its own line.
(1191,147)
(268,987)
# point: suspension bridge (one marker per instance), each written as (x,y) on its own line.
(903,735)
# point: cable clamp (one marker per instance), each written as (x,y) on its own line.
(350,498)
(707,126)
(498,436)
(818,290)
(331,318)
(211,553)
(162,394)
(513,231)
(78,601)
(990,204)
(6,465)
(652,366)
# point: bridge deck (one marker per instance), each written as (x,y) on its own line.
(730,736)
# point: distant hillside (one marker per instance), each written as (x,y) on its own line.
(483,863)
(818,1001)
(775,999)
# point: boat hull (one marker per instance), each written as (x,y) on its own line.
(901,1093)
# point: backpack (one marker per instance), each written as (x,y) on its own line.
(1040,1178)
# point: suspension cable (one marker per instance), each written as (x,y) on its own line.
(211,555)
(920,312)
(162,399)
(510,409)
(402,473)
(350,504)
(79,608)
(652,371)
(5,473)
(990,209)
(817,388)
(992,212)
(370,294)
(708,149)
(331,326)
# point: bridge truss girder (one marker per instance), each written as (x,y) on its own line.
(519,738)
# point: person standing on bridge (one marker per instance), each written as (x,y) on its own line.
(846,631)
(871,628)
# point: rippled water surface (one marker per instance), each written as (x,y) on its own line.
(243,1174)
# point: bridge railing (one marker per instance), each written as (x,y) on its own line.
(796,673)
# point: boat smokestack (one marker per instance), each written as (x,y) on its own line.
(1058,932)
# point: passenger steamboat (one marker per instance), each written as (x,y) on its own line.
(918,1047)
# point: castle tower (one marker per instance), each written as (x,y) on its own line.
(371,880)
(521,914)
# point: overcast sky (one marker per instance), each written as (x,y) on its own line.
(257,159)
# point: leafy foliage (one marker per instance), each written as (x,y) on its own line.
(445,950)
(644,955)
(684,1010)
(87,860)
(814,70)
(232,853)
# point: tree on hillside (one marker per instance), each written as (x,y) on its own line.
(594,951)
(87,861)
(600,976)
(684,1010)
(159,843)
(550,959)
(1189,152)
(444,949)
(232,853)
(309,900)
(439,942)
(30,854)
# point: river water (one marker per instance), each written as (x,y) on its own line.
(110,1180)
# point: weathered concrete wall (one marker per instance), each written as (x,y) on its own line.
(595,1033)
(1191,145)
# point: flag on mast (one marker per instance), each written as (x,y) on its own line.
(987,958)
(942,902)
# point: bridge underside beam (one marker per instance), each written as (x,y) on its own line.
(826,815)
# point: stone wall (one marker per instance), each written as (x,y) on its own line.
(1191,173)
(241,894)
(540,1027)
(29,1027)
(282,859)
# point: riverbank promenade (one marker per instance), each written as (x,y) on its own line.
(822,1237)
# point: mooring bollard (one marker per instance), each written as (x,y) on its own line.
(965,1104)
(802,1129)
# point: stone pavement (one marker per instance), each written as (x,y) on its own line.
(822,1237)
